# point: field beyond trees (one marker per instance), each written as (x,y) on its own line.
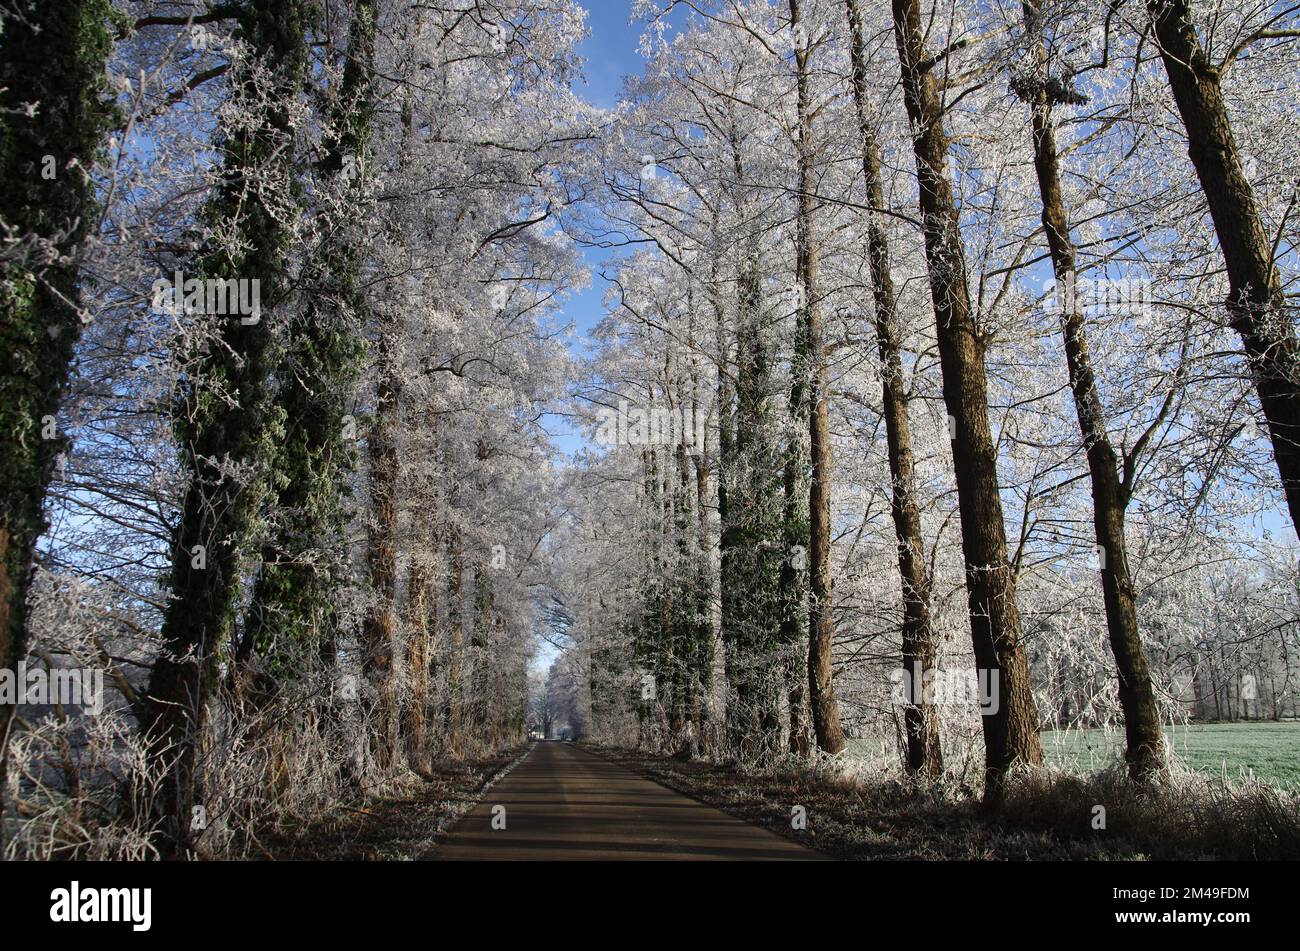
(1268,752)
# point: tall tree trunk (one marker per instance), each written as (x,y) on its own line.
(378,633)
(218,515)
(761,602)
(1256,305)
(702,588)
(422,622)
(292,615)
(793,578)
(729,541)
(1145,753)
(1010,731)
(478,707)
(456,640)
(735,554)
(53,54)
(703,707)
(924,754)
(766,600)
(821,623)
(421,615)
(648,642)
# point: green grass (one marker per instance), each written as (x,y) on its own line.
(1267,751)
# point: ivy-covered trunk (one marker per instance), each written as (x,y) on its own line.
(751,502)
(51,58)
(292,618)
(226,420)
(753,525)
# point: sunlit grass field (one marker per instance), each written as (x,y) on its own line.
(1266,751)
(1269,752)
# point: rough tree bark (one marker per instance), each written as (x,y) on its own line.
(924,754)
(1010,732)
(1256,305)
(1110,494)
(821,622)
(421,623)
(378,632)
(456,633)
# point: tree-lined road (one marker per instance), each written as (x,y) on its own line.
(564,803)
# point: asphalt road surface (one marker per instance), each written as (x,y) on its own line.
(562,802)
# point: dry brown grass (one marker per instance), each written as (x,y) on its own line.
(1047,815)
(405,821)
(1184,816)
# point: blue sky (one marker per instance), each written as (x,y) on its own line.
(609,50)
(610,53)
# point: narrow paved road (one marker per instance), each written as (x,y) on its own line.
(562,802)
